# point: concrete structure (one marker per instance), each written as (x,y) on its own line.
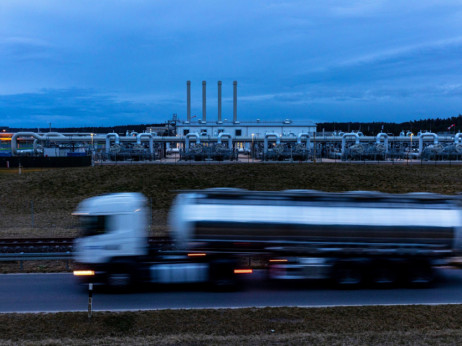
(188,102)
(235,102)
(219,102)
(204,102)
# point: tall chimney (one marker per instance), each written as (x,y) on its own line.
(204,115)
(219,102)
(188,101)
(235,102)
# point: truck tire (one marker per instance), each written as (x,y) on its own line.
(347,275)
(119,276)
(383,274)
(221,275)
(420,274)
(117,280)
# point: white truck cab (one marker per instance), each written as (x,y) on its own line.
(112,226)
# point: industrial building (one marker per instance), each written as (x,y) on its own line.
(218,139)
(235,128)
(247,129)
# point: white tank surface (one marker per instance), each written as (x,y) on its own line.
(314,221)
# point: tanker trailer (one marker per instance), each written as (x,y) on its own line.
(350,238)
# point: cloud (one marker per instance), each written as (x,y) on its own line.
(358,8)
(25,48)
(127,61)
(403,51)
(77,107)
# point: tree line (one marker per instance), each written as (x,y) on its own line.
(437,125)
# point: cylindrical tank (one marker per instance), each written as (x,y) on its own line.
(313,221)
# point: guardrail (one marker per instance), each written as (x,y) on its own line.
(24,256)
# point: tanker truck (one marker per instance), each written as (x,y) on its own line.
(351,238)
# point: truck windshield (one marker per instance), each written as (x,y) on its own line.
(93,225)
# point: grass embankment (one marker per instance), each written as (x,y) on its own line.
(423,325)
(38,203)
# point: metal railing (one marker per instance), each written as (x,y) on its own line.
(23,256)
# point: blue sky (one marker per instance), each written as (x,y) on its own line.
(102,63)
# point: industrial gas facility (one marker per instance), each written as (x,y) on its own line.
(222,139)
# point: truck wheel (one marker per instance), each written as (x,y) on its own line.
(221,276)
(347,275)
(420,274)
(118,280)
(119,277)
(384,274)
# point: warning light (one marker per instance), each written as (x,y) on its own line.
(196,254)
(243,271)
(84,272)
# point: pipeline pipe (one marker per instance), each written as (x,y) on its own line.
(299,139)
(52,134)
(14,141)
(427,134)
(108,140)
(457,138)
(265,145)
(230,139)
(385,140)
(186,140)
(151,140)
(345,136)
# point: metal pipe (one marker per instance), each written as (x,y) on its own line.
(457,138)
(385,140)
(219,101)
(14,142)
(188,101)
(52,134)
(235,102)
(151,140)
(427,134)
(230,139)
(265,143)
(204,100)
(108,140)
(344,137)
(186,140)
(299,139)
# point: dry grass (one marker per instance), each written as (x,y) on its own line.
(423,325)
(36,266)
(39,202)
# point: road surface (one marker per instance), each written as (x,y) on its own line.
(59,292)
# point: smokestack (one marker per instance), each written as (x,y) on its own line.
(188,101)
(219,102)
(235,102)
(204,115)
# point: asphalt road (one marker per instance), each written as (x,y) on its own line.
(59,292)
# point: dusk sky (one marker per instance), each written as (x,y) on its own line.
(103,63)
